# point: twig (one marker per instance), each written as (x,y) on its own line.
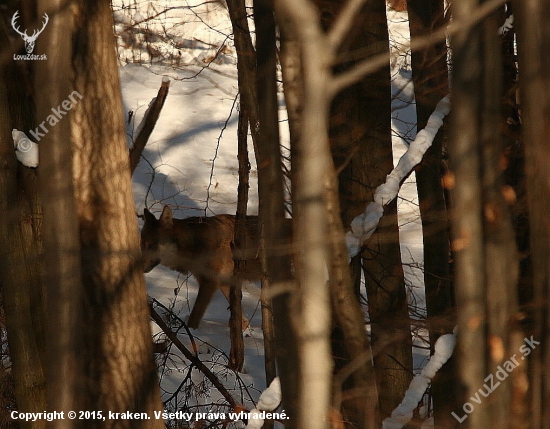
(225,124)
(191,357)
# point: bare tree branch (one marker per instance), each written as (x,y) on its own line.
(191,357)
(370,65)
(343,23)
(148,124)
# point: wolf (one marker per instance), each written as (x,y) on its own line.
(202,246)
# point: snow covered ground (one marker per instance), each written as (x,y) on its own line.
(190,164)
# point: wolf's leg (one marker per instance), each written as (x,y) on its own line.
(225,290)
(207,288)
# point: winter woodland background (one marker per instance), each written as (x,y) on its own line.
(407,142)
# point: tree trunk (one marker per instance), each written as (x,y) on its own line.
(65,388)
(429,71)
(21,269)
(533,38)
(361,145)
(312,305)
(501,259)
(467,240)
(275,230)
(514,177)
(120,370)
(236,354)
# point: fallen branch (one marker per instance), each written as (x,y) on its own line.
(148,123)
(191,357)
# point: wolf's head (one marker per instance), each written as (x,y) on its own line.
(157,238)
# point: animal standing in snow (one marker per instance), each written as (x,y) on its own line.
(203,247)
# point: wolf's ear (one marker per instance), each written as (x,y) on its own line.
(148,216)
(166,217)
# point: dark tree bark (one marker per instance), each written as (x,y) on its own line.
(259,95)
(21,269)
(236,354)
(501,259)
(120,370)
(429,71)
(354,392)
(275,228)
(18,265)
(516,198)
(467,222)
(362,150)
(483,237)
(533,38)
(65,388)
(246,64)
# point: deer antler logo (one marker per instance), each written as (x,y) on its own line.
(29,40)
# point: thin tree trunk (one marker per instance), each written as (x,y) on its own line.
(312,318)
(429,71)
(501,259)
(515,185)
(275,228)
(291,66)
(467,240)
(361,399)
(246,64)
(275,233)
(236,354)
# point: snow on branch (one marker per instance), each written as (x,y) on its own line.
(507,26)
(269,400)
(444,347)
(365,224)
(386,192)
(26,151)
(362,227)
